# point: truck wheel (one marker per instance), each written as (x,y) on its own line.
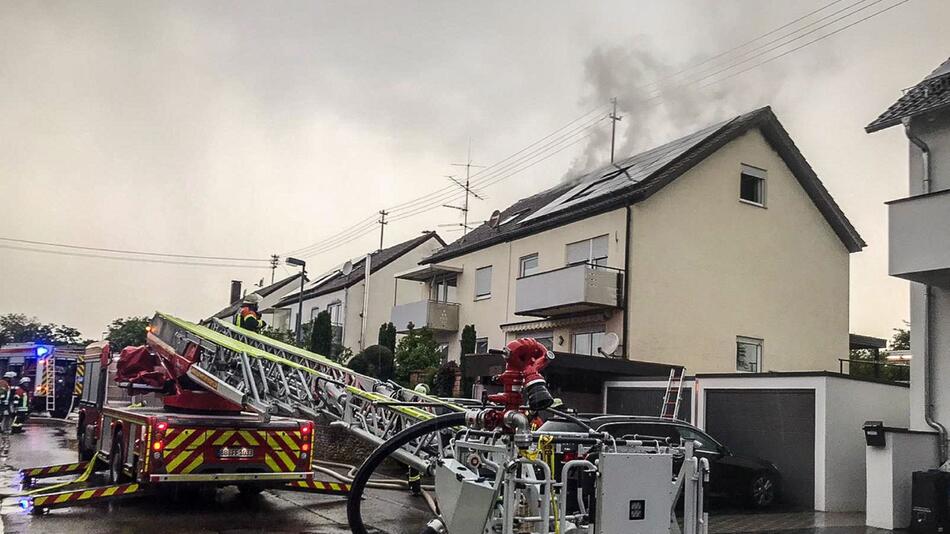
(116,476)
(84,454)
(59,413)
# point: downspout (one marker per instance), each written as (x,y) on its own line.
(625,291)
(928,311)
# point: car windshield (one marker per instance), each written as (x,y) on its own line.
(559,425)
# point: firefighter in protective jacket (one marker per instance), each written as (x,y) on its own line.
(248,317)
(21,401)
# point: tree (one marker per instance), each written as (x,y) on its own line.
(901,338)
(387,336)
(443,385)
(127,332)
(416,351)
(284,336)
(375,361)
(19,328)
(321,335)
(468,339)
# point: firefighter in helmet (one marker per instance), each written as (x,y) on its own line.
(22,404)
(7,403)
(248,317)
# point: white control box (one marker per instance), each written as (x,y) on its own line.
(634,493)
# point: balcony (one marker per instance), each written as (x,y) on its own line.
(572,289)
(919,231)
(437,316)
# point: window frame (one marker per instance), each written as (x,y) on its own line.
(521,261)
(337,305)
(481,341)
(483,296)
(760,353)
(588,332)
(761,177)
(591,260)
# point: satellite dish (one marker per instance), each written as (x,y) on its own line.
(347,268)
(494,219)
(610,344)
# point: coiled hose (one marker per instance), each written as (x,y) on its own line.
(354,502)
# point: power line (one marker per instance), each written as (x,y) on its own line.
(135,252)
(137,260)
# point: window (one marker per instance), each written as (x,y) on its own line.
(544,337)
(443,350)
(748,355)
(592,251)
(313,312)
(443,289)
(335,309)
(481,345)
(483,283)
(752,185)
(529,265)
(587,343)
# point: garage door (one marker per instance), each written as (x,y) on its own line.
(776,425)
(645,401)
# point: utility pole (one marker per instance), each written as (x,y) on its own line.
(613,127)
(274,261)
(382,226)
(467,187)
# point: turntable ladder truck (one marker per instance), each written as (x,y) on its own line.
(219,425)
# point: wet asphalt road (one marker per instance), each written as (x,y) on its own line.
(50,442)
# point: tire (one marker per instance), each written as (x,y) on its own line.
(84,454)
(116,476)
(763,490)
(59,413)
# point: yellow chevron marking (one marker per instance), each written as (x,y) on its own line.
(39,501)
(285,458)
(87,494)
(182,436)
(110,491)
(224,437)
(199,459)
(199,440)
(181,457)
(289,441)
(334,486)
(269,460)
(55,468)
(63,498)
(132,488)
(249,437)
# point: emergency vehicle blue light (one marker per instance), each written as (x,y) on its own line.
(25,504)
(42,351)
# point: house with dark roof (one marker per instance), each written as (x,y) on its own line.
(359,297)
(269,296)
(721,251)
(919,252)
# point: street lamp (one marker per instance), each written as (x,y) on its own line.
(303,274)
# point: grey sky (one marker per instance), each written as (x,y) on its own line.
(250,128)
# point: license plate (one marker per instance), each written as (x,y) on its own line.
(236,452)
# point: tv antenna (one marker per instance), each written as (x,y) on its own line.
(465,187)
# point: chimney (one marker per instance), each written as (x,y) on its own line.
(235,291)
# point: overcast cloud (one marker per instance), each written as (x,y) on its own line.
(249,128)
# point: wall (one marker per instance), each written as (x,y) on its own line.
(890,473)
(935,132)
(844,436)
(707,268)
(551,245)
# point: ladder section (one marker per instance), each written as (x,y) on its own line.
(298,386)
(674,392)
(49,382)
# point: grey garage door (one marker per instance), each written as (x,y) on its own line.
(645,401)
(777,425)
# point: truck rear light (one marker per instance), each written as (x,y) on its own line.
(305,428)
(305,447)
(161,426)
(158,445)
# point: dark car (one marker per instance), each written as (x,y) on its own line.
(751,480)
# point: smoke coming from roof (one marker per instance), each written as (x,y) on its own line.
(660,100)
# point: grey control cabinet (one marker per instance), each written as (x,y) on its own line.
(634,493)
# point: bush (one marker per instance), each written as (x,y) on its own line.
(375,361)
(416,351)
(387,336)
(443,384)
(468,339)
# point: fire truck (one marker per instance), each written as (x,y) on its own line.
(202,431)
(51,369)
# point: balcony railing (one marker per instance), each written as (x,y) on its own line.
(434,315)
(572,289)
(919,229)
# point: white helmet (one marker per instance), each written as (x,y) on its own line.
(253,298)
(25,380)
(9,374)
